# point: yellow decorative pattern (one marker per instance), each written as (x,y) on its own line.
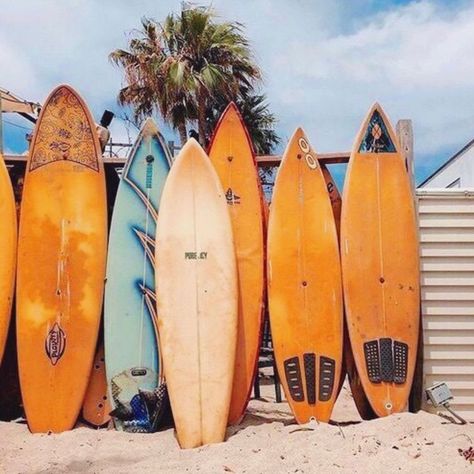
(64,133)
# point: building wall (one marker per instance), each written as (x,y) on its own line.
(446,222)
(459,172)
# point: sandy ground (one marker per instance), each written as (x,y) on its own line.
(268,441)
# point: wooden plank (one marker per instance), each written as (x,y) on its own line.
(404,130)
(447,279)
(447,249)
(449,337)
(446,220)
(327,158)
(454,381)
(443,234)
(459,353)
(449,367)
(448,293)
(446,264)
(445,323)
(262,160)
(448,308)
(455,206)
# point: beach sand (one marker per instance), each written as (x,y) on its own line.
(267,441)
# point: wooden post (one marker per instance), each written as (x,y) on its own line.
(405,137)
(1,124)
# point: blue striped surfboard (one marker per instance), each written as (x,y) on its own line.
(132,356)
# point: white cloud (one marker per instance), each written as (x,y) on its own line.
(324,62)
(415,60)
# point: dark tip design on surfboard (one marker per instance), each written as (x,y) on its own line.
(377,138)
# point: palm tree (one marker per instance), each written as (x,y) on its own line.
(180,66)
(146,89)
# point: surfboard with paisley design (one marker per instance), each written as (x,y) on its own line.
(132,354)
(61,262)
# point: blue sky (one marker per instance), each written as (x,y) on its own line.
(324,63)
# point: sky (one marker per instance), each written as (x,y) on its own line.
(324,63)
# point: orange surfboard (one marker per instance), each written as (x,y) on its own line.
(231,154)
(304,284)
(61,262)
(8,240)
(348,364)
(96,406)
(336,203)
(379,248)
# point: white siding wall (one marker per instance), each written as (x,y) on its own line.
(446,220)
(462,168)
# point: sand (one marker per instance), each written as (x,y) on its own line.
(268,441)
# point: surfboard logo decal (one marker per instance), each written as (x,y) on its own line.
(195,255)
(231,197)
(376,138)
(311,161)
(55,343)
(64,133)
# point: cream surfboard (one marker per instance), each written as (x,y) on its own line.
(197,297)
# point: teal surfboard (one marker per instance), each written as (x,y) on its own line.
(132,355)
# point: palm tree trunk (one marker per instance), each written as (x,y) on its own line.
(202,120)
(183,134)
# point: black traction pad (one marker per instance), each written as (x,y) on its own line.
(371,352)
(293,378)
(400,358)
(386,360)
(310,374)
(327,370)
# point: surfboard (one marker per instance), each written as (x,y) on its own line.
(8,246)
(304,284)
(197,297)
(96,406)
(61,262)
(231,153)
(132,352)
(348,364)
(336,203)
(379,249)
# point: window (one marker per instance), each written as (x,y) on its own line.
(455,184)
